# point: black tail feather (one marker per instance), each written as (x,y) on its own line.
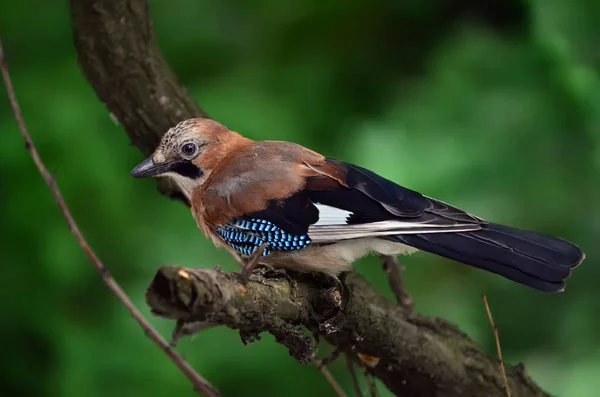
(525,257)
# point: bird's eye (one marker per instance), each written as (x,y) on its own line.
(189,149)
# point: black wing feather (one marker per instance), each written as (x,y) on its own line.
(526,257)
(294,214)
(371,198)
(397,200)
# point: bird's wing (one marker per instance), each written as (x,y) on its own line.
(341,201)
(354,202)
(288,196)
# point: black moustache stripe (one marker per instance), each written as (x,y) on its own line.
(188,170)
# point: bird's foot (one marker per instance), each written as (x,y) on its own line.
(251,263)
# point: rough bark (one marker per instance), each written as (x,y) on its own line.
(414,355)
(118,55)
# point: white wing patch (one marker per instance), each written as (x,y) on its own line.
(330,233)
(333,226)
(331,216)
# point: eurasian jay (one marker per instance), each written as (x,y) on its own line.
(307,212)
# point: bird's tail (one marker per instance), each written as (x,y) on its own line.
(528,258)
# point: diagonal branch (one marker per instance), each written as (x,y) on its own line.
(119,56)
(200,384)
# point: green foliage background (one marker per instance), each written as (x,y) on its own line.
(494,107)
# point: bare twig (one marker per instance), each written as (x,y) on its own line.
(497,337)
(370,381)
(332,356)
(200,384)
(355,384)
(329,377)
(394,272)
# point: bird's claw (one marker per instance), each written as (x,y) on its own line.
(250,264)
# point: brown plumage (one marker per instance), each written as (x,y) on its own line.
(246,180)
(318,214)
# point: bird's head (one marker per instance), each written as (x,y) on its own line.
(189,152)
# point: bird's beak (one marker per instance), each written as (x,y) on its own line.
(149,168)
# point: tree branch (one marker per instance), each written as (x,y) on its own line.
(118,54)
(412,354)
(200,384)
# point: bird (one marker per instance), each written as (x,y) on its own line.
(290,207)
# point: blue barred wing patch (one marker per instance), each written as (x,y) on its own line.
(246,235)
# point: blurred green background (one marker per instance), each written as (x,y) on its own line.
(492,106)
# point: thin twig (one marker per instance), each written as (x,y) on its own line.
(497,337)
(394,272)
(200,384)
(355,384)
(370,382)
(329,377)
(332,356)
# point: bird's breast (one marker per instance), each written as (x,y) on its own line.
(336,257)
